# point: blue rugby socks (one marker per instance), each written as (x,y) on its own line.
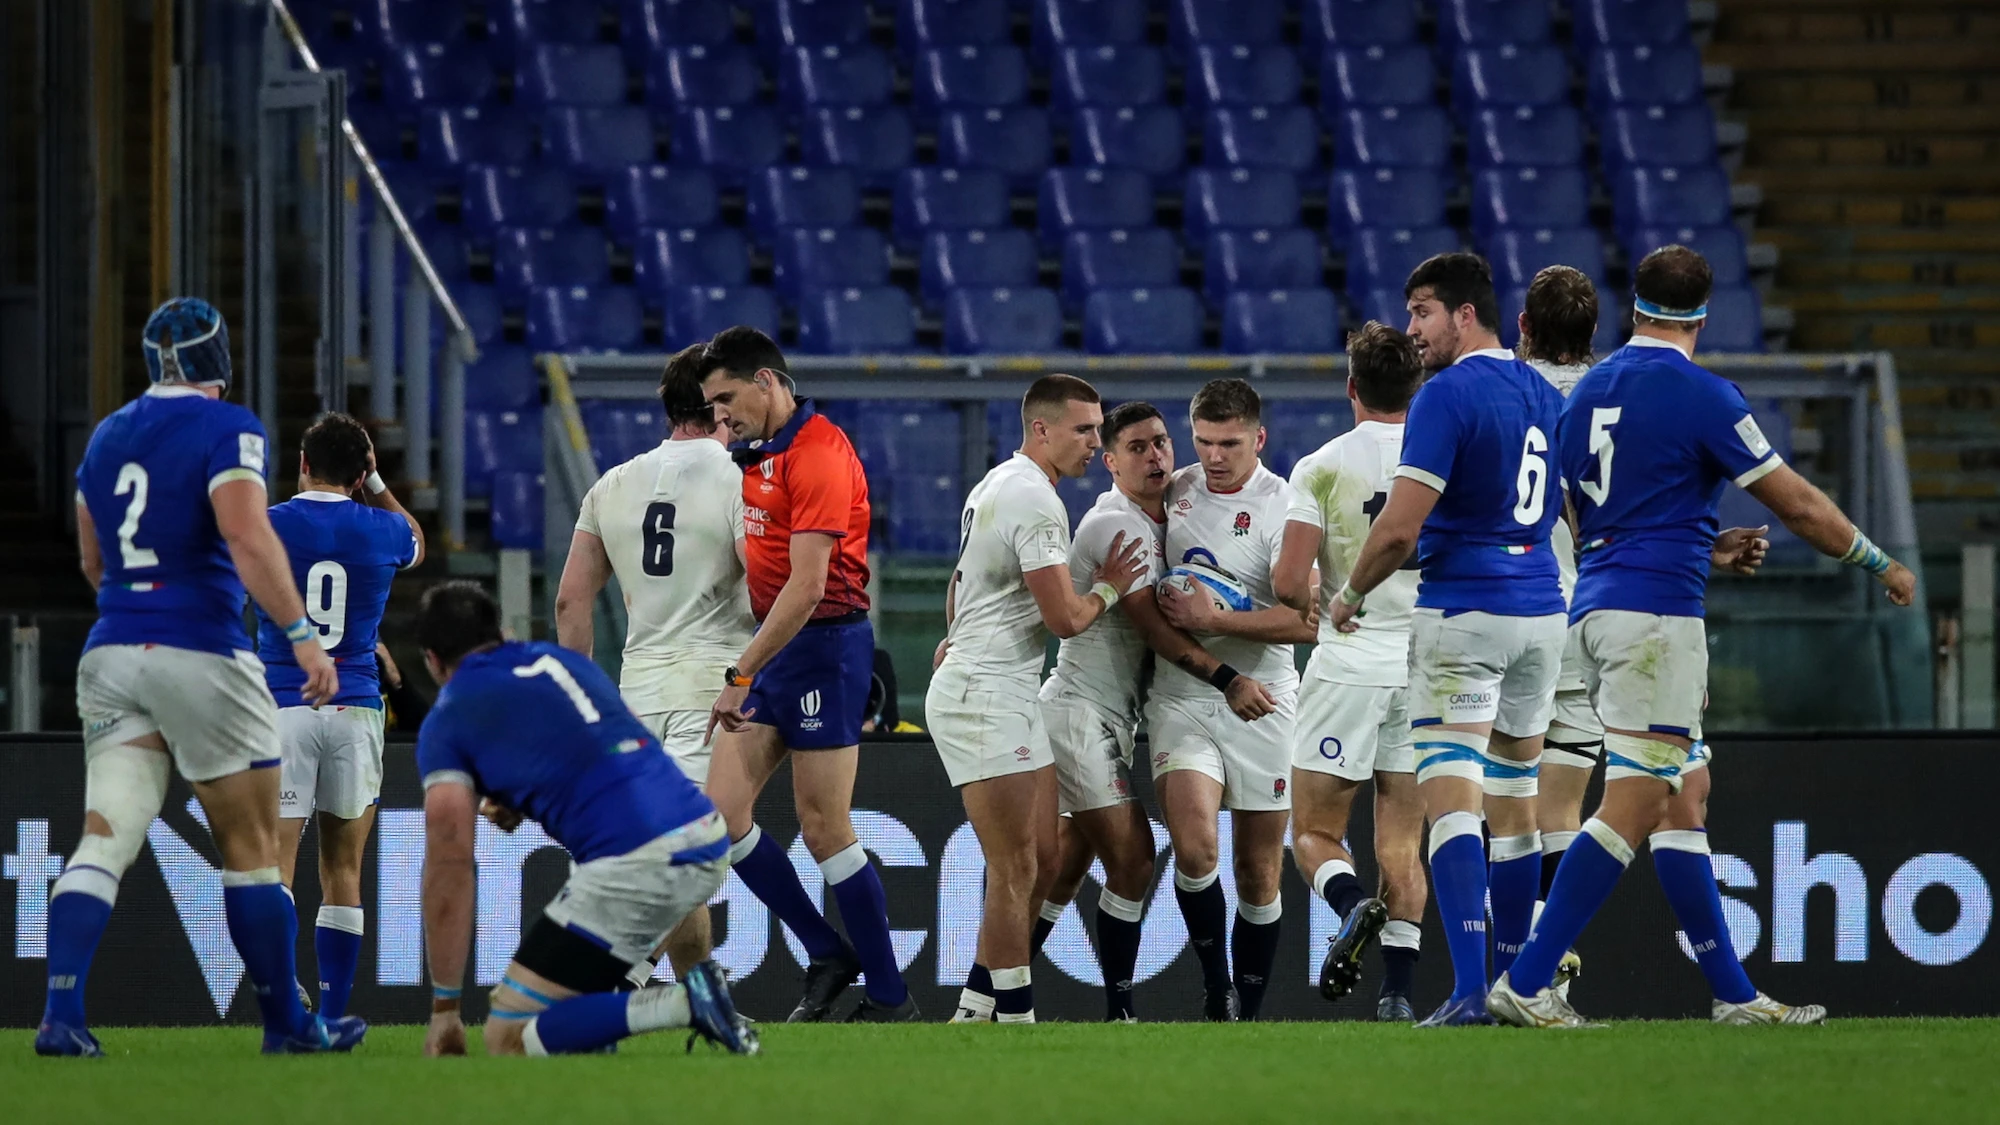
(1589,871)
(864,909)
(1681,860)
(1253,945)
(1206,910)
(337,936)
(1458,872)
(1513,878)
(1401,944)
(1119,928)
(1336,882)
(768,872)
(583,1024)
(264,925)
(78,914)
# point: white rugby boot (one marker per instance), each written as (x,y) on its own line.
(1567,970)
(1545,1009)
(1762,1011)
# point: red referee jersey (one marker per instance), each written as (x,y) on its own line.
(808,479)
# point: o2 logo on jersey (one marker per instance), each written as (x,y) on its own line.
(1339,752)
(1242,527)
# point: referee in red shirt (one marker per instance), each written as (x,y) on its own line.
(802,684)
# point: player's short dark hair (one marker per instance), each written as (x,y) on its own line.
(1561,308)
(1125,414)
(1227,400)
(1385,366)
(1048,395)
(456,617)
(336,449)
(741,352)
(1455,280)
(680,389)
(1672,277)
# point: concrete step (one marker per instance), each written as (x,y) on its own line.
(1921,362)
(1902,24)
(1901,150)
(1934,57)
(1946,521)
(1878,178)
(1879,210)
(1840,333)
(1841,119)
(1891,299)
(1804,270)
(1779,90)
(1840,241)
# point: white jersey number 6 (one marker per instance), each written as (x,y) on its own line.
(1533,481)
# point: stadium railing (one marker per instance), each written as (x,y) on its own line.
(1807,645)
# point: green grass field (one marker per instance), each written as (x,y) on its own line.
(1685,1073)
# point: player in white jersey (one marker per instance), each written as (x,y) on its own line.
(1229,513)
(668,524)
(1354,721)
(1012,589)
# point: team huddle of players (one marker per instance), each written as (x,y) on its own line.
(1493,613)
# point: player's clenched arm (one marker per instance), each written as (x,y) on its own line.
(241,515)
(448,887)
(1815,518)
(584,575)
(1248,698)
(1292,578)
(87,548)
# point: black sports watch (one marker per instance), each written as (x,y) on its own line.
(732,677)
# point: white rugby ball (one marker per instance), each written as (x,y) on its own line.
(1222,588)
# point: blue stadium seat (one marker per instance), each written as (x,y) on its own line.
(798,196)
(1357,23)
(1513,300)
(607,318)
(1296,427)
(1644,74)
(1473,23)
(666,260)
(1253,22)
(602,139)
(499,441)
(1001,321)
(1282,321)
(1384,305)
(447,249)
(620,431)
(1417,136)
(704,74)
(1012,141)
(1239,74)
(904,435)
(856,321)
(698,312)
(1382,197)
(415,192)
(1517,255)
(1092,199)
(1614,324)
(1669,197)
(1524,135)
(977,259)
(526,22)
(1723,246)
(1624,22)
(1142,321)
(1086,23)
(928,199)
(811,23)
(1670,136)
(517,197)
(398,23)
(1284,137)
(876,143)
(480,306)
(527,258)
(437,74)
(655,195)
(453,138)
(835,75)
(924,512)
(735,142)
(1003,429)
(1260,260)
(1382,257)
(1079,494)
(1528,197)
(1108,74)
(1377,75)
(650,27)
(806,260)
(390,132)
(571,74)
(970,75)
(1220,198)
(950,23)
(1145,258)
(1509,75)
(502,378)
(1148,139)
(1735,321)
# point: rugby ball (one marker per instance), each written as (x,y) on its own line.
(1222,588)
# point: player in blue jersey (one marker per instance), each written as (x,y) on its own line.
(1647,444)
(172,527)
(1473,496)
(343,555)
(540,732)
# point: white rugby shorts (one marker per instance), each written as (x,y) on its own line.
(986,728)
(1646,672)
(629,902)
(1092,750)
(1485,668)
(680,734)
(333,761)
(1352,731)
(1252,760)
(214,712)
